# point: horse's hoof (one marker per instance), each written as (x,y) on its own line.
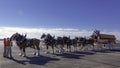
(47,52)
(38,55)
(34,53)
(20,54)
(23,55)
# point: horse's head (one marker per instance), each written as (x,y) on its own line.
(48,36)
(43,35)
(16,37)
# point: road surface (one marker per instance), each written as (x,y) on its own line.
(81,59)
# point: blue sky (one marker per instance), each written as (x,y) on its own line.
(59,17)
(80,14)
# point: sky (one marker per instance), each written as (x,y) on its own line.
(77,17)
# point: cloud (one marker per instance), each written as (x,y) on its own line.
(37,32)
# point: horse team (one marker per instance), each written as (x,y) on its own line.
(57,44)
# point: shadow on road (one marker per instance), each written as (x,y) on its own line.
(115,50)
(85,53)
(69,55)
(41,60)
(36,60)
(18,61)
(107,51)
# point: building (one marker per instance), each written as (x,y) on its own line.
(106,38)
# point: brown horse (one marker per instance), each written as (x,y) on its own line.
(68,42)
(62,42)
(84,42)
(75,43)
(22,42)
(49,41)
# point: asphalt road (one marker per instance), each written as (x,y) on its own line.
(80,59)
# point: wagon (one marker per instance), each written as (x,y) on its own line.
(103,38)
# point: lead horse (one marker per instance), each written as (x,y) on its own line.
(22,42)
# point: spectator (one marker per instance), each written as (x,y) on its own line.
(5,48)
(8,45)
